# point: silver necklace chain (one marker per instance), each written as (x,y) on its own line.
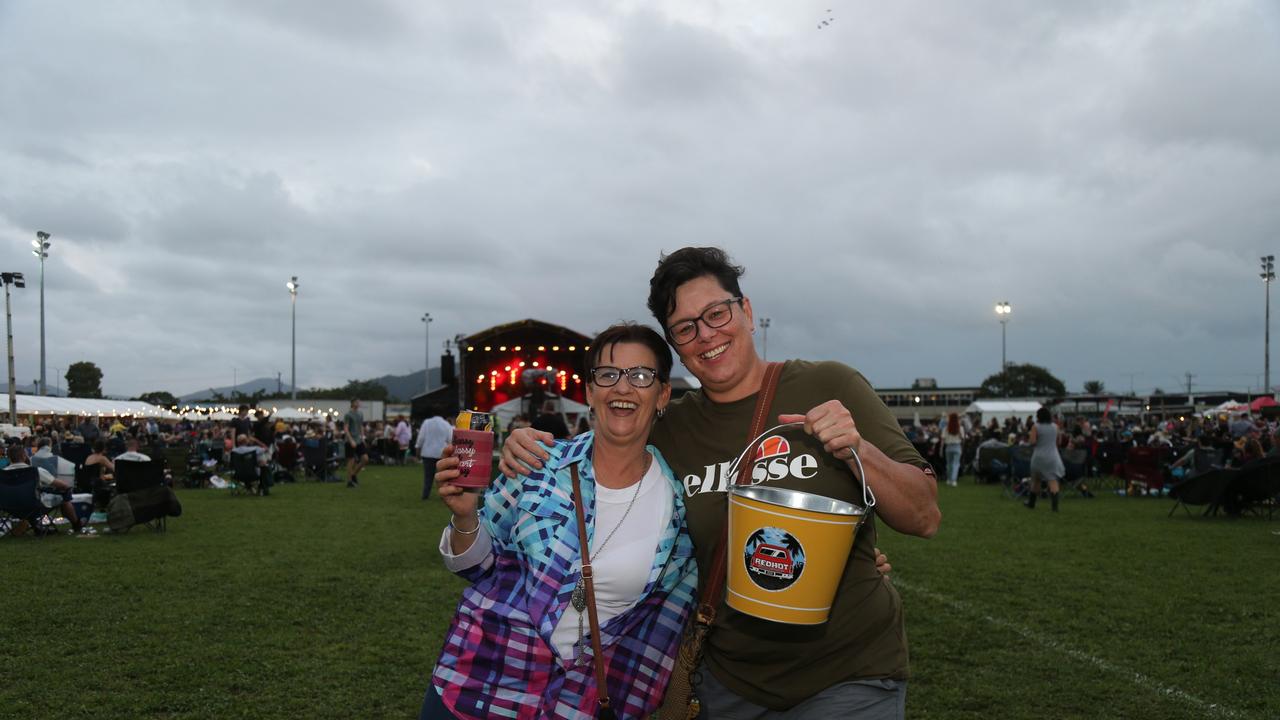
(579,597)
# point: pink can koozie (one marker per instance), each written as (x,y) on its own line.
(474,450)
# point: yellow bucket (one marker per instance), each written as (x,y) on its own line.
(787,552)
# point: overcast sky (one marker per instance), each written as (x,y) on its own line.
(1110,169)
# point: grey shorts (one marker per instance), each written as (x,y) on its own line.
(858,699)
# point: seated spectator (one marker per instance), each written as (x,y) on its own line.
(1247,450)
(246,444)
(54,493)
(997,468)
(1179,468)
(44,451)
(99,457)
(131,452)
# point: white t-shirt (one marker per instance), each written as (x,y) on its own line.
(622,569)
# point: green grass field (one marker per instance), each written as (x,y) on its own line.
(325,602)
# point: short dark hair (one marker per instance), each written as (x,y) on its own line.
(687,264)
(630,332)
(16,453)
(99,446)
(1042,415)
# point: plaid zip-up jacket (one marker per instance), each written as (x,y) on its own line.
(498,661)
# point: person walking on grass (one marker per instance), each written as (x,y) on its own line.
(953,437)
(357,454)
(1046,463)
(436,432)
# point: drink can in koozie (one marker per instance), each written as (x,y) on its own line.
(473,446)
(472,420)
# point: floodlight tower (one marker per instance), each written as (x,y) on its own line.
(764,325)
(1003,310)
(426,371)
(1268,274)
(293,337)
(40,248)
(8,279)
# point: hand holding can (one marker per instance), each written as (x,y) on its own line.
(473,446)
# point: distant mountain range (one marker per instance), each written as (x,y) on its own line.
(33,389)
(399,387)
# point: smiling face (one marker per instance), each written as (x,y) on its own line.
(723,359)
(624,414)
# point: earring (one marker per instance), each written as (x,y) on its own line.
(661,411)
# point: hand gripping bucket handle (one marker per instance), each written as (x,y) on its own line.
(868,497)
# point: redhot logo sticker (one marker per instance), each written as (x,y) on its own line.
(774,558)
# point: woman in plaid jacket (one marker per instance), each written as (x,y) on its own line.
(519,645)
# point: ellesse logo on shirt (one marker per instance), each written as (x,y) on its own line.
(773,461)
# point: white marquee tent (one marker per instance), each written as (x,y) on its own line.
(55,406)
(1001,410)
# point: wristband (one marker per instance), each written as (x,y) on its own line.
(458,530)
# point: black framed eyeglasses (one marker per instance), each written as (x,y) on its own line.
(717,315)
(608,376)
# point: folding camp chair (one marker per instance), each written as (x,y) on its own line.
(1020,469)
(89,480)
(1074,461)
(1256,490)
(75,452)
(142,485)
(50,464)
(176,461)
(1207,488)
(20,500)
(318,461)
(1143,468)
(247,473)
(286,460)
(992,464)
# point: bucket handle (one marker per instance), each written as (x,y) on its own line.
(868,497)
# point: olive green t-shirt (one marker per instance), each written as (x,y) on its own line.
(772,664)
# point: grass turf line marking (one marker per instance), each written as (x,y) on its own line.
(1134,676)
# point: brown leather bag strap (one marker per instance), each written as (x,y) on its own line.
(706,611)
(602,691)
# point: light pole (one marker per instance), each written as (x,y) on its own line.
(1003,308)
(40,248)
(11,279)
(426,372)
(293,337)
(1268,274)
(462,371)
(764,325)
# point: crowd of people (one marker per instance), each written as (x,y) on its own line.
(62,448)
(951,444)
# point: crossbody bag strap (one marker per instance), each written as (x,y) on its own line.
(602,692)
(715,581)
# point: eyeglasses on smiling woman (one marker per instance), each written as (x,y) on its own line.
(608,376)
(716,316)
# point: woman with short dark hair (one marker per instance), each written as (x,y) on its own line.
(1046,463)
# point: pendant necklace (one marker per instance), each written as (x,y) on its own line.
(579,597)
